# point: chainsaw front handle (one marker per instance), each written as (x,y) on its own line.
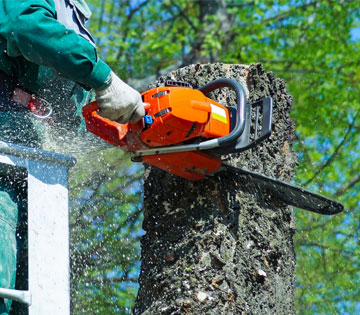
(240,107)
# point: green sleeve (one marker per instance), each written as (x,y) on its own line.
(32,31)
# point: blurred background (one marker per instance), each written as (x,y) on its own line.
(314,46)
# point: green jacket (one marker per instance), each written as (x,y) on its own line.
(31,36)
(53,62)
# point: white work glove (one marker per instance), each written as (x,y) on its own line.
(120,102)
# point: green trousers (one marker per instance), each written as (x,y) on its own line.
(14,127)
(13,232)
(8,224)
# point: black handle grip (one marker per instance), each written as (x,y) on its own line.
(240,106)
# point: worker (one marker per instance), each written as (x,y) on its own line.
(48,59)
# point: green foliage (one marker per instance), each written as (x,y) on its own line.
(105,230)
(307,43)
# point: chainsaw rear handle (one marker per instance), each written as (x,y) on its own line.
(93,109)
(240,107)
(108,130)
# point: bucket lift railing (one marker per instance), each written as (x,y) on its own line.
(46,175)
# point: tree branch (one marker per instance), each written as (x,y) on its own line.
(285,14)
(322,246)
(182,13)
(335,153)
(349,185)
(128,19)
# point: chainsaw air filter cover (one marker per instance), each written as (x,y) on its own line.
(179,114)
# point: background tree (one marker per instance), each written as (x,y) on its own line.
(313,46)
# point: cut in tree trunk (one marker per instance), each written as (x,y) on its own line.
(218,246)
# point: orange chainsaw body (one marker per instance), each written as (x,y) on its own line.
(174,115)
(180,114)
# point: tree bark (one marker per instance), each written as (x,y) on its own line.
(218,246)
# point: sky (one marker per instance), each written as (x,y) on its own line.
(356,33)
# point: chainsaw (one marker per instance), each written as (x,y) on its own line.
(186,133)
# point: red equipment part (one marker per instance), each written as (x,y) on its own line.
(190,165)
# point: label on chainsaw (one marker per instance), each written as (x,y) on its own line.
(218,113)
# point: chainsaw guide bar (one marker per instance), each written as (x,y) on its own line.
(289,194)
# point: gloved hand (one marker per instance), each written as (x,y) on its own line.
(120,102)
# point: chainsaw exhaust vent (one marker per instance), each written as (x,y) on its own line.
(178,84)
(160,94)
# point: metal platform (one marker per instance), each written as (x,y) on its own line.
(46,175)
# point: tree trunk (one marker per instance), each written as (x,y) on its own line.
(218,246)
